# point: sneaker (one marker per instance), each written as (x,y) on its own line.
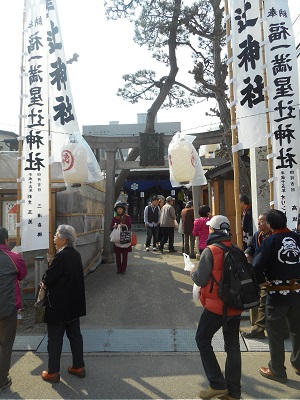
(6,384)
(53,378)
(154,249)
(80,372)
(147,248)
(211,393)
(254,334)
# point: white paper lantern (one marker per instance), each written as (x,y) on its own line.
(182,161)
(74,164)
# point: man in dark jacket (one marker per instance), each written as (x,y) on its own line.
(151,219)
(12,270)
(258,329)
(212,319)
(246,220)
(187,220)
(277,266)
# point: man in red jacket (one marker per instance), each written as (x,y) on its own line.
(12,270)
(211,320)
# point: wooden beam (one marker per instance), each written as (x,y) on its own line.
(206,162)
(114,143)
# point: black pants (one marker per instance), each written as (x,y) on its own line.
(276,319)
(209,324)
(168,234)
(55,343)
(8,327)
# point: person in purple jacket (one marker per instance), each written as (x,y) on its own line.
(12,270)
(200,227)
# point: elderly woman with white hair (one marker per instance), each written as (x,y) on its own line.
(65,304)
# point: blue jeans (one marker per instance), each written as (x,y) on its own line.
(276,322)
(152,231)
(209,324)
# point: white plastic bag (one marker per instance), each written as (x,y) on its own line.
(115,235)
(184,162)
(196,292)
(180,226)
(79,164)
(188,264)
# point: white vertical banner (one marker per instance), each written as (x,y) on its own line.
(61,106)
(67,144)
(248,73)
(50,115)
(34,208)
(283,94)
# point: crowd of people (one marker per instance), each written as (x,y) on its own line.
(275,254)
(274,251)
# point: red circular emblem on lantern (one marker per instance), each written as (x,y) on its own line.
(67,159)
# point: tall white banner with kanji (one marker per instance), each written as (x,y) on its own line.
(282,73)
(34,218)
(49,115)
(248,79)
(281,86)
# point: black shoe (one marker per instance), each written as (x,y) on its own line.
(173,251)
(161,251)
(6,384)
(118,272)
(123,272)
(254,334)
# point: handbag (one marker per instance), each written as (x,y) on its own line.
(115,235)
(133,239)
(125,238)
(40,298)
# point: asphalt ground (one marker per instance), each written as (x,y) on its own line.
(154,295)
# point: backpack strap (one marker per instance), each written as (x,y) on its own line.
(213,279)
(224,315)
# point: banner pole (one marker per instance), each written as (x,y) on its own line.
(20,142)
(235,160)
(51,200)
(266,99)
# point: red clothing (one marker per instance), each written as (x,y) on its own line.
(201,230)
(124,219)
(209,296)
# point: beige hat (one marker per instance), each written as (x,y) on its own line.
(219,222)
(169,198)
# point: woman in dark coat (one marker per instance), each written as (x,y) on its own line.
(65,303)
(121,253)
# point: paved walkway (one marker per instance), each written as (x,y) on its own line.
(139,341)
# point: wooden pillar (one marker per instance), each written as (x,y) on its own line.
(108,255)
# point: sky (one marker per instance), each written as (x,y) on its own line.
(106,51)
